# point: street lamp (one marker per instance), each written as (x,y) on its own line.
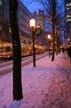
(32,25)
(49,37)
(68,40)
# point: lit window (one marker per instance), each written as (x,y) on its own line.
(9,30)
(68,20)
(68,16)
(0,27)
(68,4)
(0,2)
(67,8)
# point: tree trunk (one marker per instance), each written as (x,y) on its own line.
(53,33)
(17,85)
(53,27)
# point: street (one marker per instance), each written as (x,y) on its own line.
(7,66)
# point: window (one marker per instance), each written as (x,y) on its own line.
(68,20)
(0,2)
(9,30)
(0,27)
(68,4)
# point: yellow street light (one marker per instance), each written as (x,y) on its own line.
(49,38)
(32,22)
(32,25)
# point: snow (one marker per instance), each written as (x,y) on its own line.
(15,104)
(48,85)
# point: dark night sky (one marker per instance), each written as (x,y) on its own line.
(34,5)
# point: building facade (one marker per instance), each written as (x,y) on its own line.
(4,20)
(68,17)
(23,22)
(24,17)
(40,21)
(40,18)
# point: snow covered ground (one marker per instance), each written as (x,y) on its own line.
(46,86)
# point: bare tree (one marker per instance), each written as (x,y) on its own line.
(17,86)
(60,29)
(53,26)
(52,8)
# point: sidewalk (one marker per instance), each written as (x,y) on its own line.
(46,86)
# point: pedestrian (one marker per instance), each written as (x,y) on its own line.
(69,52)
(63,49)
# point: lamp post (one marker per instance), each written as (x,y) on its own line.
(49,37)
(68,40)
(32,25)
